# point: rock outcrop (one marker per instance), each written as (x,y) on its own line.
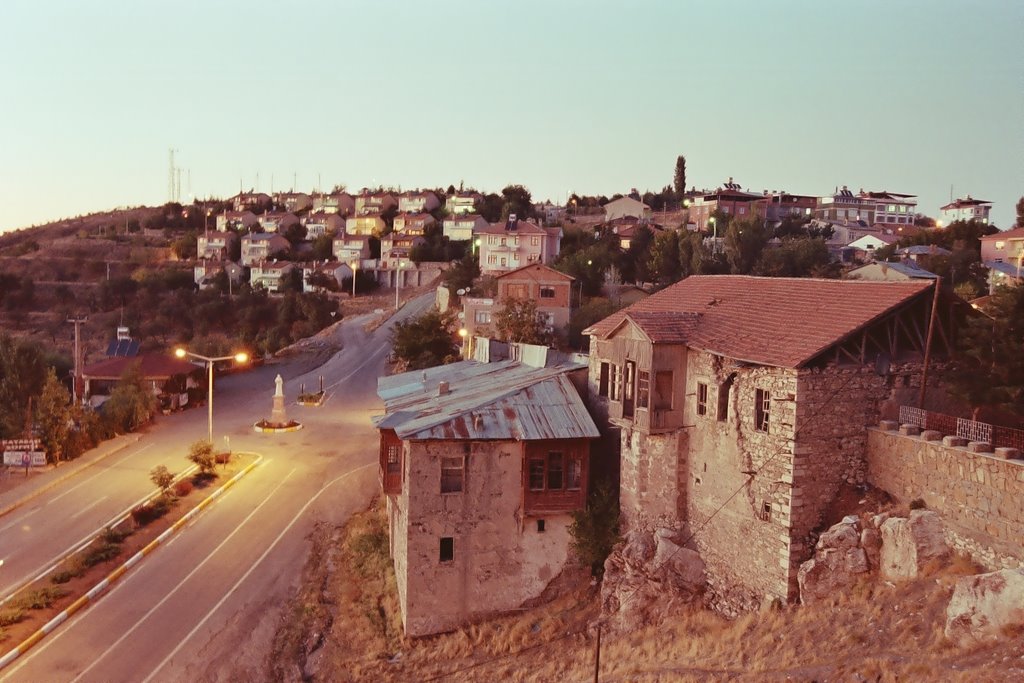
(986,606)
(837,564)
(647,578)
(910,543)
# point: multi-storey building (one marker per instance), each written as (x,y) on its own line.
(966,209)
(515,243)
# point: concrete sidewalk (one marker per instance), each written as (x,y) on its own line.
(16,489)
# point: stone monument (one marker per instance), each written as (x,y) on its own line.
(277,415)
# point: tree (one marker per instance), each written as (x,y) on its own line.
(52,416)
(989,370)
(201,454)
(185,247)
(426,341)
(518,201)
(519,321)
(595,529)
(295,233)
(679,180)
(490,207)
(322,248)
(744,240)
(22,375)
(795,257)
(1020,212)
(463,273)
(161,477)
(634,263)
(131,403)
(664,263)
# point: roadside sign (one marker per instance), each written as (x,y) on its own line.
(25,458)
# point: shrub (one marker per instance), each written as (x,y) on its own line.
(11,616)
(595,529)
(101,553)
(114,535)
(148,512)
(183,488)
(161,476)
(370,551)
(41,598)
(918,504)
(201,453)
(223,458)
(63,576)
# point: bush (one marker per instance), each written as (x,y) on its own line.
(595,529)
(161,476)
(918,504)
(41,598)
(149,512)
(370,552)
(201,453)
(183,488)
(11,616)
(223,458)
(64,575)
(101,553)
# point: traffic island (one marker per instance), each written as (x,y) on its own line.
(38,608)
(311,400)
(267,427)
(278,421)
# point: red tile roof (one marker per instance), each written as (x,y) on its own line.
(151,366)
(783,322)
(1015,234)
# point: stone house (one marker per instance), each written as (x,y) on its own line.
(260,246)
(270,275)
(515,243)
(461,226)
(624,207)
(742,404)
(418,202)
(481,465)
(215,245)
(236,220)
(413,223)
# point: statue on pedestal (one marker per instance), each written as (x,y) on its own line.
(277,415)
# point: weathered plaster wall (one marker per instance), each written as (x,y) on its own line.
(980,497)
(501,560)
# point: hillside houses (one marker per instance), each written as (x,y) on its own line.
(515,243)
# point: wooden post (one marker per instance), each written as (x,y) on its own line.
(928,343)
(597,655)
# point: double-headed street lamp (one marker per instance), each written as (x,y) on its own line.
(238,358)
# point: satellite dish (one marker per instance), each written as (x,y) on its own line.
(882,364)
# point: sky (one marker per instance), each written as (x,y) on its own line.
(587,96)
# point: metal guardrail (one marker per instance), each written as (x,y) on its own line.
(972,430)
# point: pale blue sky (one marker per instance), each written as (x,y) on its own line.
(560,95)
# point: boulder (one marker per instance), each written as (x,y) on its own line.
(909,543)
(682,566)
(831,570)
(842,535)
(986,606)
(639,546)
(871,542)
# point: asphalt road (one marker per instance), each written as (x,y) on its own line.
(205,607)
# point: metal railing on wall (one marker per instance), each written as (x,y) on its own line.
(972,430)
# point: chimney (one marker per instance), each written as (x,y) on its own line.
(442,388)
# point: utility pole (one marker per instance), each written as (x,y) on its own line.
(77,322)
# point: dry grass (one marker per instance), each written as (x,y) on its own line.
(878,631)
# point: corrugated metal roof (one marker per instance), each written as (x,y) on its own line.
(504,400)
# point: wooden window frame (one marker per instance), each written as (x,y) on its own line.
(449,478)
(702,398)
(643,389)
(662,400)
(603,378)
(762,410)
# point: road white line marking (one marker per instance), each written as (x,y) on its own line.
(251,569)
(88,507)
(98,474)
(170,593)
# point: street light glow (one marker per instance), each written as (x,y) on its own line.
(241,357)
(180,352)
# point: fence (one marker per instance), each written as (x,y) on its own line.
(971,430)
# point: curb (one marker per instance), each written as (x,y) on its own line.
(60,480)
(276,430)
(111,578)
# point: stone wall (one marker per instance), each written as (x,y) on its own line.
(501,560)
(980,497)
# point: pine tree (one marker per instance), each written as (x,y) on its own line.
(680,178)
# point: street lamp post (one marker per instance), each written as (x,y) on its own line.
(463,332)
(238,358)
(355,267)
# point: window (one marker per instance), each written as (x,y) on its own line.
(452,474)
(602,382)
(447,549)
(613,391)
(723,398)
(482,317)
(574,474)
(556,471)
(702,398)
(536,474)
(766,511)
(503,241)
(540,526)
(504,262)
(643,389)
(535,241)
(492,259)
(393,459)
(663,390)
(547,292)
(516,291)
(762,409)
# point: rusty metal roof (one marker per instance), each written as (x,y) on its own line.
(503,401)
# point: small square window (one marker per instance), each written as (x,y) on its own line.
(540,526)
(447,549)
(766,511)
(762,410)
(452,474)
(547,292)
